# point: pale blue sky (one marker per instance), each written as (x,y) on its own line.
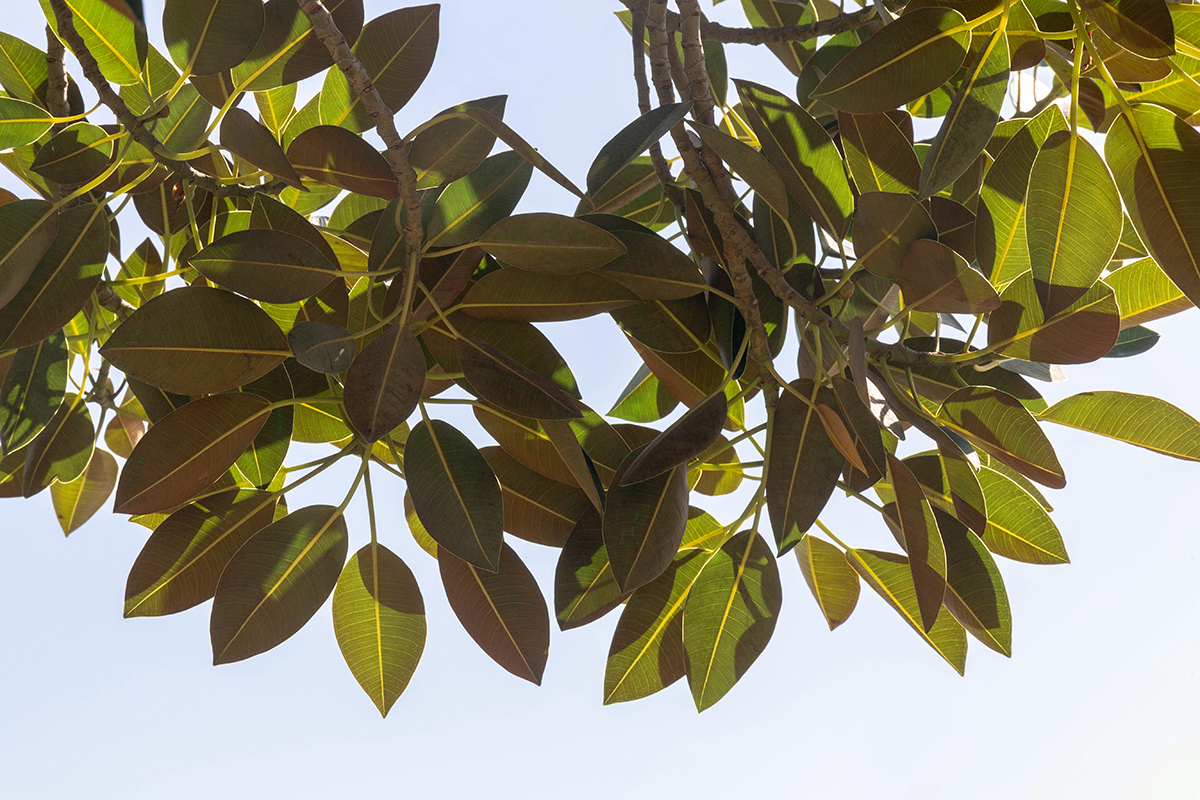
(1099,700)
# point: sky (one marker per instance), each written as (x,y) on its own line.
(1099,700)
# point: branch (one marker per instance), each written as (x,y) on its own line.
(661,168)
(56,86)
(325,29)
(134,124)
(715,32)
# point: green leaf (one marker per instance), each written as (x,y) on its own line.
(324,348)
(1134,418)
(633,140)
(62,281)
(1133,342)
(975,592)
(265,455)
(33,390)
(801,151)
(748,164)
(27,229)
(550,243)
(879,155)
(803,466)
(77,154)
(384,383)
(644,524)
(889,575)
(196,340)
(209,36)
(1073,220)
(503,611)
(651,267)
(1018,526)
(450,149)
(506,382)
(908,58)
(76,501)
(1152,154)
(999,425)
(971,119)
(922,541)
(777,13)
(694,432)
(935,278)
(249,139)
(455,493)
(267,265)
(276,582)
(337,157)
(275,106)
(111,32)
(185,451)
(474,203)
(522,296)
(1140,26)
(730,616)
(1084,331)
(832,581)
(379,621)
(24,75)
(61,451)
(646,654)
(584,586)
(886,226)
(397,51)
(536,508)
(644,399)
(1144,293)
(180,564)
(288,51)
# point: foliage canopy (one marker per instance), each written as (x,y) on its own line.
(926,281)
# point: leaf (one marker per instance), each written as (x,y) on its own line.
(536,508)
(267,265)
(1083,332)
(1151,153)
(971,119)
(584,586)
(693,433)
(975,592)
(1137,419)
(33,390)
(396,50)
(633,140)
(455,493)
(832,581)
(24,75)
(182,561)
(1141,26)
(288,51)
(777,13)
(668,326)
(448,150)
(1144,293)
(803,465)
(324,348)
(1132,342)
(1018,527)
(730,616)
(907,59)
(265,455)
(62,280)
(646,654)
(885,228)
(550,243)
(935,278)
(379,621)
(27,229)
(196,340)
(748,164)
(1072,220)
(921,539)
(521,296)
(276,582)
(509,384)
(209,36)
(888,574)
(248,139)
(644,524)
(651,267)
(384,383)
(474,203)
(185,451)
(340,158)
(275,106)
(61,451)
(644,399)
(503,611)
(801,151)
(21,123)
(879,155)
(111,33)
(75,502)
(77,154)
(998,424)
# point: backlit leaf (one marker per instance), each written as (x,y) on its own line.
(207,36)
(1134,418)
(32,391)
(384,383)
(633,140)
(550,243)
(340,158)
(76,501)
(584,586)
(832,581)
(644,524)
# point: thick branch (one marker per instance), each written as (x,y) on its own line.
(661,168)
(327,31)
(715,32)
(56,86)
(132,123)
